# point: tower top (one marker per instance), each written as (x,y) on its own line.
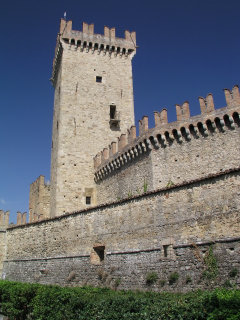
(87,34)
(88,41)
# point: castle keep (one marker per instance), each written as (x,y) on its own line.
(93,105)
(121,206)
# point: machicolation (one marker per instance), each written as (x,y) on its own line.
(130,146)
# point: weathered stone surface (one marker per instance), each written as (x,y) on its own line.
(134,233)
(39,200)
(4,221)
(174,162)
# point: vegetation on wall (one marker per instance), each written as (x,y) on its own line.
(20,301)
(211,266)
(151,278)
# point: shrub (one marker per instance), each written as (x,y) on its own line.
(210,261)
(173,278)
(227,284)
(188,279)
(145,186)
(21,301)
(117,282)
(151,278)
(162,283)
(233,273)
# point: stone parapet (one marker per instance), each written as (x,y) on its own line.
(210,121)
(88,41)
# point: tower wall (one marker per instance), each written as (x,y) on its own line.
(4,221)
(39,200)
(92,74)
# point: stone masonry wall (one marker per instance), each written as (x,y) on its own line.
(39,200)
(2,248)
(4,220)
(81,125)
(133,179)
(162,231)
(174,161)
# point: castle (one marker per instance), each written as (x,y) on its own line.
(121,207)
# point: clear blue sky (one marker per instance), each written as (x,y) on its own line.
(187,48)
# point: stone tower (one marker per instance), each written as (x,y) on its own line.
(93,105)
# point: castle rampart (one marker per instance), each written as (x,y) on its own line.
(170,153)
(162,231)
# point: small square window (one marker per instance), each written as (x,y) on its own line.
(98,79)
(88,200)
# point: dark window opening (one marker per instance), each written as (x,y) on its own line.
(112,112)
(114,118)
(165,250)
(100,252)
(88,200)
(98,79)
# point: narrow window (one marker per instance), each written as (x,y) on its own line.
(88,200)
(98,79)
(165,250)
(112,112)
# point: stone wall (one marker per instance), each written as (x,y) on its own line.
(173,160)
(39,200)
(164,231)
(2,248)
(4,221)
(132,179)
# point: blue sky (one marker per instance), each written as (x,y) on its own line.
(187,48)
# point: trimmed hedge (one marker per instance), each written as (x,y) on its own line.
(21,301)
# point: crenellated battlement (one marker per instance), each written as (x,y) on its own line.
(90,42)
(4,219)
(21,218)
(39,199)
(129,146)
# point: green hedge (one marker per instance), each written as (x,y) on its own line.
(21,301)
